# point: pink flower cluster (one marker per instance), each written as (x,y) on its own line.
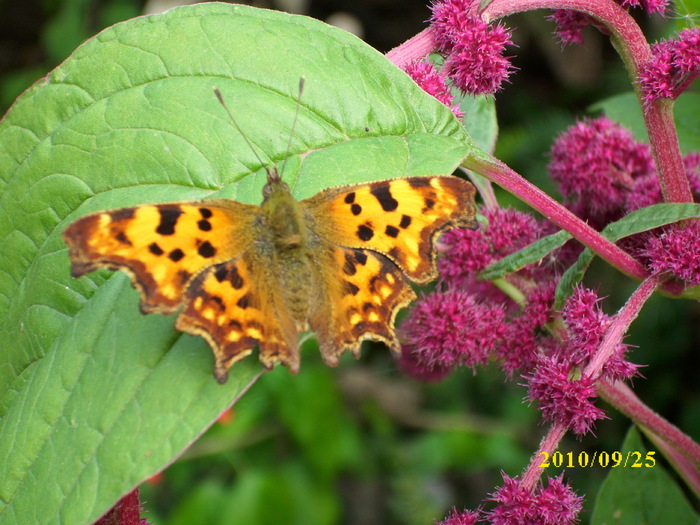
(597,164)
(432,82)
(604,174)
(555,504)
(676,251)
(473,52)
(674,64)
(474,49)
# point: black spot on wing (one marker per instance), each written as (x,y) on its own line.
(235,278)
(392,231)
(243,302)
(351,288)
(350,197)
(206,213)
(155,249)
(405,222)
(221,273)
(206,250)
(360,257)
(169,216)
(356,209)
(122,238)
(219,302)
(419,182)
(204,225)
(176,255)
(383,195)
(122,215)
(365,232)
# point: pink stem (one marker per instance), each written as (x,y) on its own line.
(624,399)
(509,180)
(549,445)
(620,325)
(415,48)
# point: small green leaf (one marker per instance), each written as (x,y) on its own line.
(530,254)
(640,495)
(638,221)
(95,397)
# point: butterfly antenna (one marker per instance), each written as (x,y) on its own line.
(302,80)
(240,130)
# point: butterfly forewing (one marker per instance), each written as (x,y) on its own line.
(161,246)
(399,218)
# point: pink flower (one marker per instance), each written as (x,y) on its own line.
(561,397)
(465,517)
(474,49)
(570,25)
(587,324)
(426,76)
(674,64)
(467,252)
(448,329)
(676,251)
(556,504)
(596,163)
(524,339)
(646,189)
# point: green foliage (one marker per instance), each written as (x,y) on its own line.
(640,494)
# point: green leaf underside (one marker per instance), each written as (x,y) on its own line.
(530,254)
(638,221)
(95,397)
(640,494)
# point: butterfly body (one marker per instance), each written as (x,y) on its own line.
(247,276)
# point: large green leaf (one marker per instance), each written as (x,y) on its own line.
(94,397)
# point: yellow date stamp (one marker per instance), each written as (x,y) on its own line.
(630,459)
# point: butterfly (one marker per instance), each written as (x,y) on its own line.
(246,276)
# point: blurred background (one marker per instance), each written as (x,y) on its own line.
(363,444)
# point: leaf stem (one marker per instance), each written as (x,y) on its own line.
(511,181)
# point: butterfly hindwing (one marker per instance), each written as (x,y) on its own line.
(161,246)
(234,306)
(399,218)
(358,302)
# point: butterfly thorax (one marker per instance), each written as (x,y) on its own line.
(289,236)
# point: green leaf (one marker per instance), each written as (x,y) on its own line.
(638,221)
(625,109)
(530,254)
(640,495)
(94,397)
(480,119)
